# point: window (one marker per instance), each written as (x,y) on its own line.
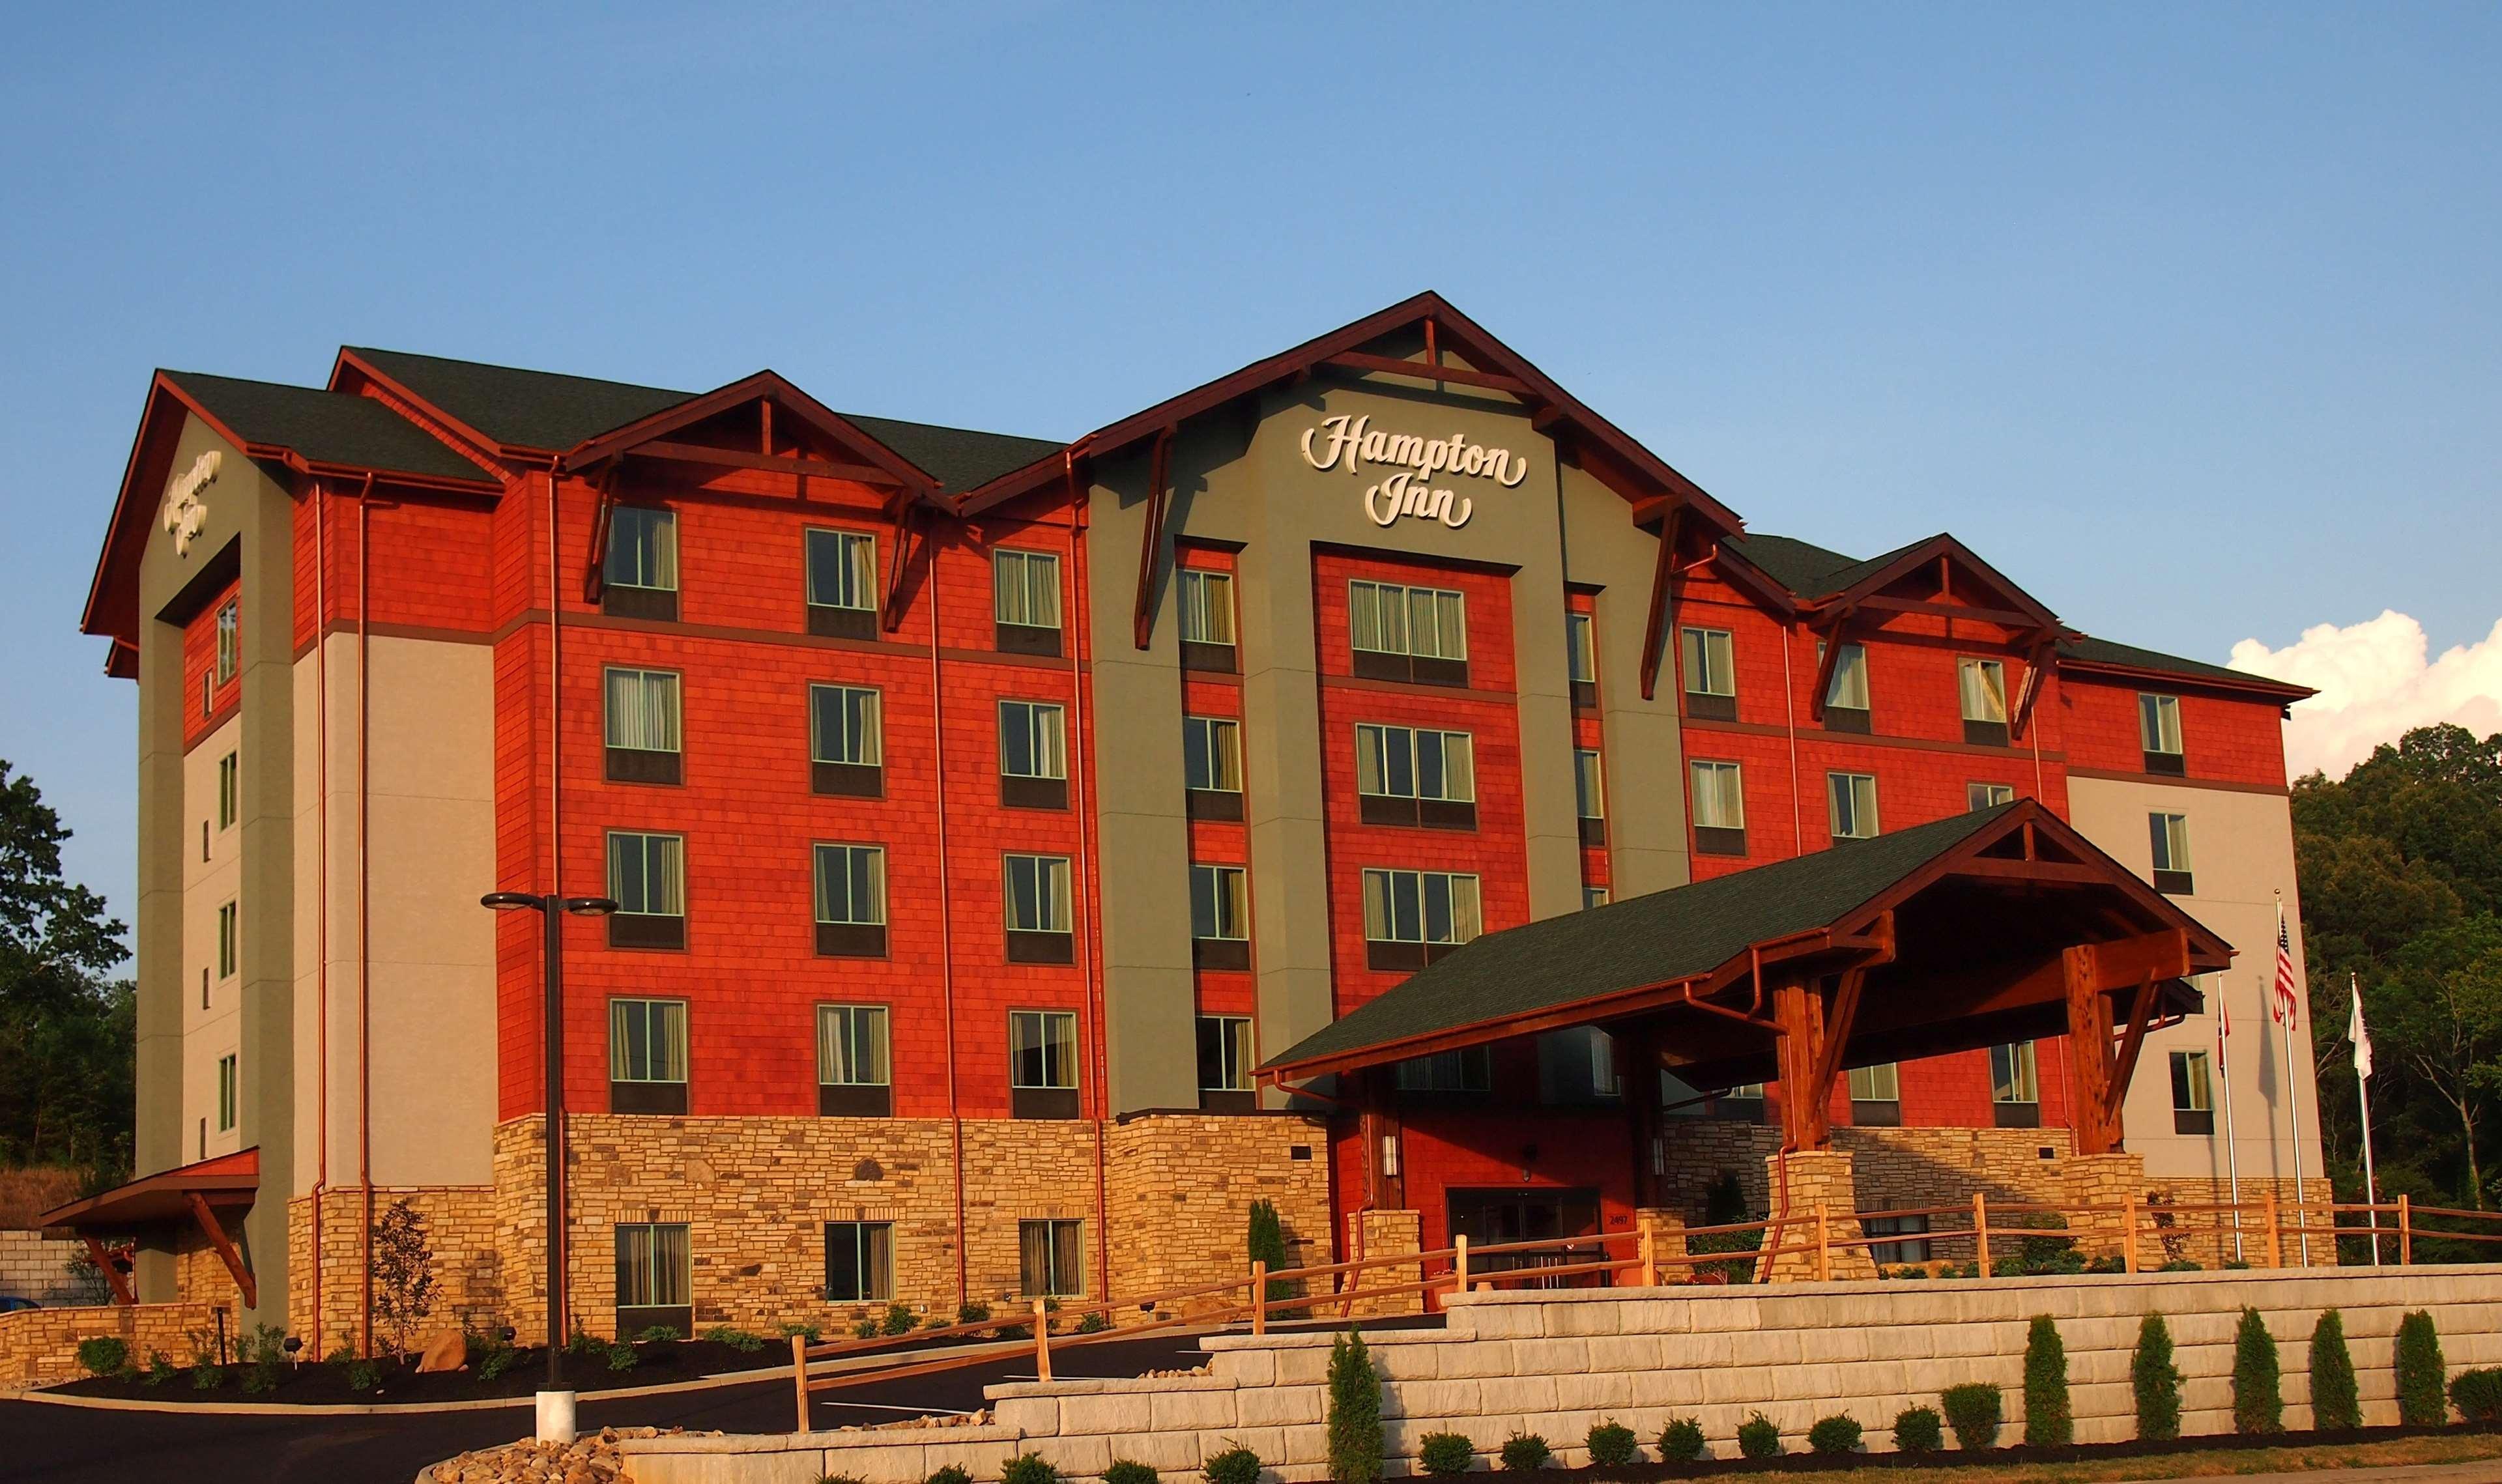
(846,742)
(1411,918)
(1038,910)
(2014,1086)
(851,901)
(855,1076)
(1593,897)
(647,877)
(229,939)
(1719,800)
(647,1056)
(1033,758)
(1846,697)
(1225,1061)
(1581,659)
(1051,1259)
(1743,1103)
(842,583)
(2171,840)
(1025,601)
(1889,1254)
(1983,685)
(229,648)
(2158,734)
(1603,1080)
(1042,1064)
(1590,795)
(643,726)
(860,1261)
(1853,801)
(2193,1107)
(1211,761)
(1977,797)
(1399,632)
(641,573)
(230,791)
(1407,776)
(1220,920)
(229,1091)
(1876,1095)
(1576,1067)
(1711,674)
(655,1278)
(1469,1069)
(1206,621)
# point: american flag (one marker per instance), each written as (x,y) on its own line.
(2283,1005)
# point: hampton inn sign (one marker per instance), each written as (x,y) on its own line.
(1353,443)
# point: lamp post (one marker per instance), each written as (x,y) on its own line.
(552,910)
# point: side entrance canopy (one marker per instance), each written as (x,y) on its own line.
(212,1194)
(1998,925)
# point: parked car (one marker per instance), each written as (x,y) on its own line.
(9,1305)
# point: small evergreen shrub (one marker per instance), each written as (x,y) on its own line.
(623,1357)
(364,1374)
(865,1329)
(1446,1455)
(1236,1464)
(2179,1264)
(952,1474)
(2335,1406)
(2156,1381)
(1524,1452)
(2259,1400)
(1974,1411)
(1029,1469)
(2049,1423)
(736,1340)
(1094,1322)
(898,1319)
(260,1377)
(160,1368)
(2422,1375)
(1130,1471)
(1354,1412)
(809,1333)
(498,1361)
(1833,1435)
(1918,1429)
(1681,1441)
(1611,1445)
(657,1334)
(104,1355)
(1266,1242)
(2477,1394)
(588,1346)
(208,1375)
(1759,1437)
(973,1313)
(840,1478)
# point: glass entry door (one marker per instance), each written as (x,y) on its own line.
(1561,1220)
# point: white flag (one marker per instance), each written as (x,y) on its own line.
(2355,1032)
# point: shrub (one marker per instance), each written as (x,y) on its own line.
(1918,1429)
(2422,1372)
(588,1346)
(953,1473)
(2156,1381)
(1681,1441)
(623,1357)
(1266,1242)
(1236,1464)
(1973,1410)
(2179,1264)
(1524,1452)
(160,1368)
(735,1340)
(1445,1454)
(404,1286)
(865,1329)
(1834,1435)
(1130,1471)
(208,1375)
(1611,1445)
(809,1333)
(1759,1437)
(1029,1469)
(2258,1401)
(1354,1412)
(1094,1322)
(2477,1394)
(104,1355)
(2047,1421)
(657,1334)
(365,1375)
(498,1361)
(898,1319)
(2335,1406)
(973,1313)
(1725,1204)
(840,1478)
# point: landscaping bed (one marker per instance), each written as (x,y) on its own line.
(2185,1458)
(588,1368)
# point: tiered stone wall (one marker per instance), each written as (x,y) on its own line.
(459,1231)
(31,1267)
(1181,1186)
(40,1346)
(1555,1363)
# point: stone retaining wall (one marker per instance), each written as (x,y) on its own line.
(40,1346)
(31,1267)
(1555,1364)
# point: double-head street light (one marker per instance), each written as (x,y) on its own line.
(552,910)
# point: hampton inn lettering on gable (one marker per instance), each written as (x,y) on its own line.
(1353,443)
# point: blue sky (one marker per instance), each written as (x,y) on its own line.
(2187,317)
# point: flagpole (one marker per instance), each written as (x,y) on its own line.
(2363,1109)
(2294,1099)
(2232,1150)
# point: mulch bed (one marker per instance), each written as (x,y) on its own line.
(327,1383)
(1953,1457)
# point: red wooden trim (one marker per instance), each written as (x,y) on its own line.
(903,512)
(2124,1061)
(112,1270)
(1427,371)
(696,452)
(2004,617)
(1826,663)
(763,385)
(2043,655)
(1151,538)
(2173,680)
(227,1253)
(1655,635)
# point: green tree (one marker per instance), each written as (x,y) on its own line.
(2155,1382)
(1266,1240)
(1354,1412)
(2049,1421)
(67,1032)
(2335,1405)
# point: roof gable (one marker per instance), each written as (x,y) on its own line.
(322,427)
(508,407)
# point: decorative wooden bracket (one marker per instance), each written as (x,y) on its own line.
(901,509)
(595,577)
(1830,632)
(103,1259)
(1151,536)
(241,1271)
(2037,672)
(1655,629)
(2123,1059)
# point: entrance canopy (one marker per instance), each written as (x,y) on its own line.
(211,1193)
(1998,925)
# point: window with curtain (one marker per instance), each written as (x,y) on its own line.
(643,710)
(1392,618)
(1849,689)
(1038,894)
(1983,687)
(1217,902)
(642,547)
(1589,784)
(2170,837)
(842,569)
(1024,589)
(851,884)
(2158,730)
(1207,607)
(646,873)
(2013,1074)
(1710,662)
(2193,1108)
(1406,762)
(1225,1054)
(1719,795)
(860,1261)
(1581,652)
(229,939)
(1977,797)
(845,726)
(647,1040)
(229,1091)
(1420,907)
(229,641)
(1881,1083)
(1211,750)
(1042,1049)
(654,1266)
(229,789)
(1853,796)
(1031,740)
(1051,1259)
(852,1046)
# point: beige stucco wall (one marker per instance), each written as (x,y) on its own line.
(214,1030)
(2240,855)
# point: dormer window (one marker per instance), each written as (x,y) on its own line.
(1711,674)
(641,573)
(1983,685)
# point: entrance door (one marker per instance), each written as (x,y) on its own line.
(1495,1217)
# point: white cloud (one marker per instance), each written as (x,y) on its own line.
(2374,685)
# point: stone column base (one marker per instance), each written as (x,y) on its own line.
(1818,1177)
(2099,1181)
(1667,1241)
(1382,1235)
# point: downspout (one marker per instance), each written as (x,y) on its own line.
(560,1249)
(1789,708)
(364,914)
(946,917)
(1089,976)
(321,878)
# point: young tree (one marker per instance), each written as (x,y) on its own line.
(1354,1412)
(66,1032)
(1267,1243)
(404,1284)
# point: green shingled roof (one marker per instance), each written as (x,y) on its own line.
(958,457)
(329,427)
(2105,651)
(1642,940)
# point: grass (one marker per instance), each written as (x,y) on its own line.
(2223,1463)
